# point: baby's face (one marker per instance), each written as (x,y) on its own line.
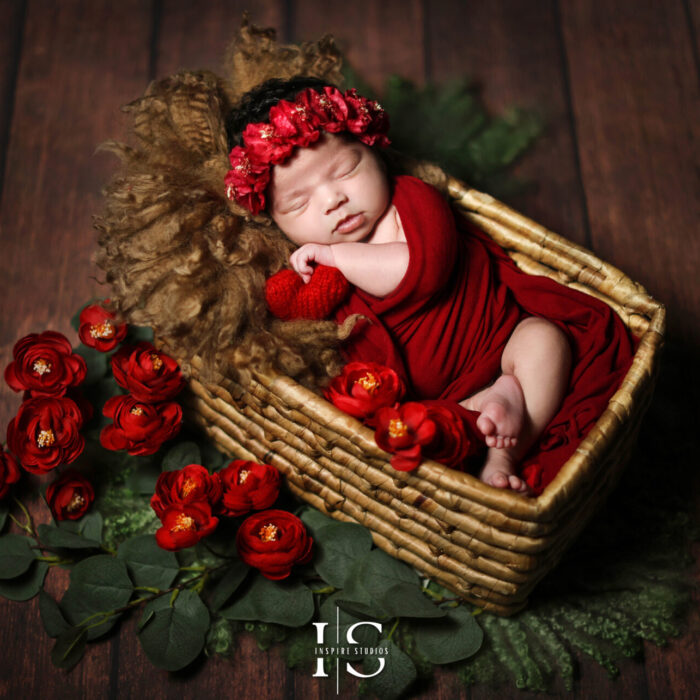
(332,192)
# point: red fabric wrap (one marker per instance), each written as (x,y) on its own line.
(444,328)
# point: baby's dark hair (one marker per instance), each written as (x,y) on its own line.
(255,105)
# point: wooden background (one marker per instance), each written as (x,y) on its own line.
(618,83)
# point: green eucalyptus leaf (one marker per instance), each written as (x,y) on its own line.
(396,676)
(407,600)
(27,585)
(173,635)
(228,584)
(52,617)
(69,648)
(456,637)
(340,625)
(98,584)
(355,598)
(180,455)
(315,520)
(368,580)
(89,526)
(285,602)
(337,547)
(16,555)
(97,364)
(59,537)
(4,512)
(148,564)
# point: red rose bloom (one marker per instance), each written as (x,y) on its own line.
(451,444)
(9,472)
(146,373)
(99,329)
(70,496)
(46,433)
(248,486)
(404,431)
(45,365)
(139,428)
(273,541)
(184,525)
(187,485)
(362,388)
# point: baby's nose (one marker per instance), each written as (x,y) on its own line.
(335,199)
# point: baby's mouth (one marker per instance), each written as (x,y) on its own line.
(349,223)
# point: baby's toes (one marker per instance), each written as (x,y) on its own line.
(486,425)
(499,480)
(490,440)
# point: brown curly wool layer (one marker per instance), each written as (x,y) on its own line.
(180,257)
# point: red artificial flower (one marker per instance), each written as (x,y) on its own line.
(187,485)
(362,388)
(46,433)
(451,444)
(70,496)
(149,375)
(185,524)
(403,432)
(248,486)
(139,428)
(45,365)
(9,472)
(273,541)
(99,329)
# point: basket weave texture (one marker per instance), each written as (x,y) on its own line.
(489,546)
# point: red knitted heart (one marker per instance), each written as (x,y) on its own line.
(288,297)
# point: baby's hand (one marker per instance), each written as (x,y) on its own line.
(302,258)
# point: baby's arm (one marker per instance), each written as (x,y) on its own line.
(376,268)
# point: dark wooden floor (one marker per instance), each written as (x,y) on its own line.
(618,83)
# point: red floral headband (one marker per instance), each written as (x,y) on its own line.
(298,123)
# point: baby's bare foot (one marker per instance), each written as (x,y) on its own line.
(502,409)
(499,471)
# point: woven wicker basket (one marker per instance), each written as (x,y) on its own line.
(489,546)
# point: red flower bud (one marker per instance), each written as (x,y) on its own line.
(44,364)
(273,541)
(248,486)
(70,496)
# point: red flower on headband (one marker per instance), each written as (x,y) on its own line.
(298,123)
(45,365)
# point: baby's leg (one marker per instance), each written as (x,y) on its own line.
(515,410)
